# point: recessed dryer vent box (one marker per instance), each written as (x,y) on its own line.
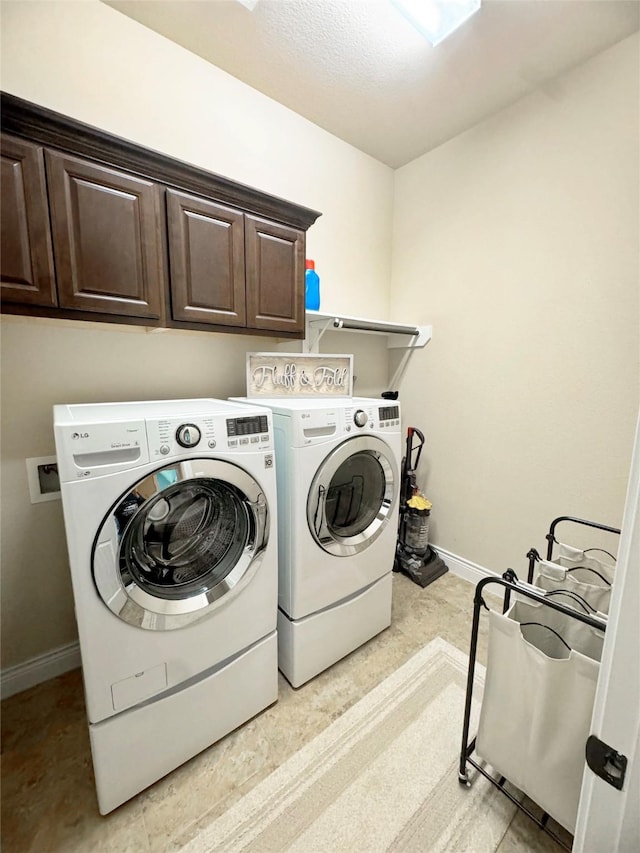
(44,483)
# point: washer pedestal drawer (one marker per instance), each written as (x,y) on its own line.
(308,646)
(139,746)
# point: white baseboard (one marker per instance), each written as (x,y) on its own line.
(463,568)
(17,678)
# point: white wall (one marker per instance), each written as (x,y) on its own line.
(90,62)
(520,241)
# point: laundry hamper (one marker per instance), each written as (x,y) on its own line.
(588,573)
(541,675)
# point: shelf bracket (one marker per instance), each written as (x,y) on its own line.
(399,373)
(315,331)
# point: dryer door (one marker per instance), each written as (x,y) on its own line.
(353,495)
(179,542)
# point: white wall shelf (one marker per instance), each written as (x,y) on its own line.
(399,336)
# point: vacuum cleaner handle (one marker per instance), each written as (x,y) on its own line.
(411,431)
(409,466)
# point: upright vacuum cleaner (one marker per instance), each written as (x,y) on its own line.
(414,557)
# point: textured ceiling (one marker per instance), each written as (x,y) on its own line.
(358,69)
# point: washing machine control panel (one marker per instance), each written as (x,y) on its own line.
(171,437)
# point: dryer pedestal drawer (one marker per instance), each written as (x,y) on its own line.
(171,730)
(308,646)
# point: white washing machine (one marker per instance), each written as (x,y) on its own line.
(338,473)
(170,516)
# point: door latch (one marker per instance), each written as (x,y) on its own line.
(606,762)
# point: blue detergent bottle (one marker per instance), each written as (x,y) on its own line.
(312,287)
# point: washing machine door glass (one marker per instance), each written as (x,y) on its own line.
(180,540)
(352,496)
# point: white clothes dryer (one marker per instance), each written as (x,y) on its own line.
(338,475)
(170,516)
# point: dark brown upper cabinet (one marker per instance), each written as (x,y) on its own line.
(26,258)
(230,269)
(107,237)
(275,266)
(96,227)
(206,261)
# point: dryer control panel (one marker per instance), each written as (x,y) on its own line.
(371,416)
(353,417)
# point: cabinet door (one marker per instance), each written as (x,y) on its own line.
(26,259)
(107,238)
(206,258)
(275,276)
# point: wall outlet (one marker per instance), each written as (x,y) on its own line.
(42,475)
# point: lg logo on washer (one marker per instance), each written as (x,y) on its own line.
(80,435)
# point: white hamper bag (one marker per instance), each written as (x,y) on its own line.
(537,704)
(582,572)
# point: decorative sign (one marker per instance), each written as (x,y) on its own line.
(271,374)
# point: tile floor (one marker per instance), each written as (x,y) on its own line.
(48,800)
